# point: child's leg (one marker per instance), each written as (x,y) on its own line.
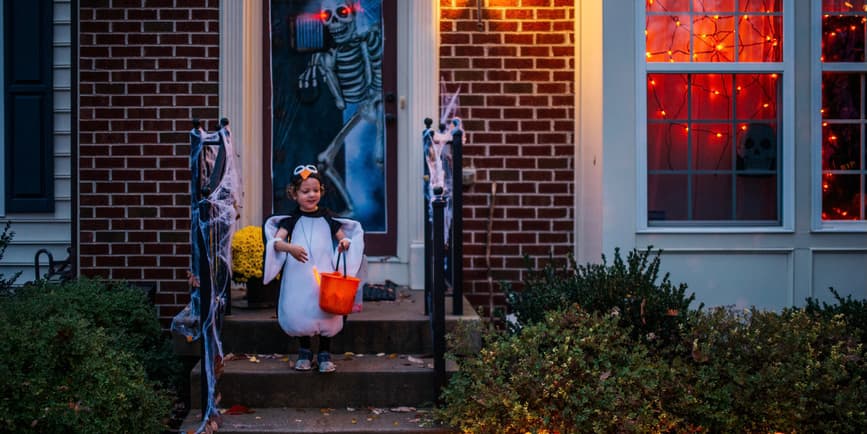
(324,356)
(324,344)
(305,355)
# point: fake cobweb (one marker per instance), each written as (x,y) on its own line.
(215,190)
(437,145)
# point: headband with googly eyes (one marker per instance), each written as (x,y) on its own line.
(304,171)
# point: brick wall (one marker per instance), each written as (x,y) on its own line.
(516,77)
(146,68)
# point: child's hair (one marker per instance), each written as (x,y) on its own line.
(300,174)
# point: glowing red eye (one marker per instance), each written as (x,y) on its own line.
(343,11)
(325,15)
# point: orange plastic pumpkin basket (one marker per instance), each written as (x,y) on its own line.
(337,291)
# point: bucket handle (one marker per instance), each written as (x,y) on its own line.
(337,266)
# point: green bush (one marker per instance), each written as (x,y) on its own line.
(5,239)
(760,371)
(84,356)
(853,311)
(570,372)
(124,311)
(655,310)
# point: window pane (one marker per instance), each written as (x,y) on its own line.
(841,147)
(714,38)
(841,197)
(758,38)
(841,96)
(667,96)
(714,31)
(709,6)
(667,197)
(843,38)
(715,161)
(711,96)
(712,197)
(667,146)
(671,41)
(713,147)
(843,5)
(756,195)
(760,5)
(756,96)
(668,5)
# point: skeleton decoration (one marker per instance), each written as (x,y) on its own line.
(214,192)
(348,64)
(757,149)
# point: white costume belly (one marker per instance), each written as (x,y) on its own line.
(298,309)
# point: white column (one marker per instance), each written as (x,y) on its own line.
(588,131)
(418,70)
(241,96)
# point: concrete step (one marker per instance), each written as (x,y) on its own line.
(361,380)
(384,326)
(368,420)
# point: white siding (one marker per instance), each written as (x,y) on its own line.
(50,231)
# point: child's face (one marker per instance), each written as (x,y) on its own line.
(308,194)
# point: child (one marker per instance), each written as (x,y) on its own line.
(301,245)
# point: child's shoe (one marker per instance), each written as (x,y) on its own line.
(325,363)
(304,362)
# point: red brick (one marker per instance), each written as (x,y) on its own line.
(551,63)
(503,26)
(551,14)
(534,51)
(502,50)
(536,26)
(454,39)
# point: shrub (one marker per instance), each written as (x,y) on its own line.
(5,239)
(759,371)
(570,372)
(83,356)
(654,310)
(853,311)
(126,314)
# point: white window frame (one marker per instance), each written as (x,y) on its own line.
(816,70)
(787,149)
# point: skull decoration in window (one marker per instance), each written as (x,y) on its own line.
(757,148)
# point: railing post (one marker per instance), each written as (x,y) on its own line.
(428,253)
(438,317)
(204,310)
(456,264)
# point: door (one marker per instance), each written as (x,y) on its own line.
(329,94)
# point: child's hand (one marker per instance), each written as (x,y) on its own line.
(298,253)
(343,245)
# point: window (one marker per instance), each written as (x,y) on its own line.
(843,186)
(714,78)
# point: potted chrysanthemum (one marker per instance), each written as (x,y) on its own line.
(248,251)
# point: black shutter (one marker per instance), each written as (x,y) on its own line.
(29,136)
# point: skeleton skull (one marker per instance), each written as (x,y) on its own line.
(339,18)
(758,147)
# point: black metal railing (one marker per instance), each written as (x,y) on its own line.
(59,271)
(438,298)
(443,249)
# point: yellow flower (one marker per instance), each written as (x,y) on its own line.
(247,253)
